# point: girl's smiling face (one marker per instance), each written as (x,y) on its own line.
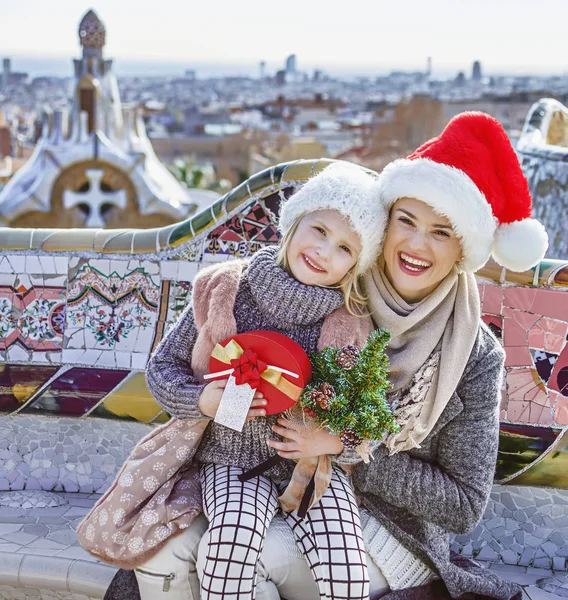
(323,248)
(420,249)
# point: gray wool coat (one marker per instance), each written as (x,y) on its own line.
(443,486)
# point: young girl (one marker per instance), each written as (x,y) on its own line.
(331,233)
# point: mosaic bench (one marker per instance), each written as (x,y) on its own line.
(81,310)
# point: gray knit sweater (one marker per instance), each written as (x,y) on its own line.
(444,485)
(267,298)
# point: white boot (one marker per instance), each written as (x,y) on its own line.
(171,574)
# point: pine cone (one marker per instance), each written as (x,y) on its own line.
(349,438)
(323,395)
(347,357)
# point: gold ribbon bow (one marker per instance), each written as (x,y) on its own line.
(274,375)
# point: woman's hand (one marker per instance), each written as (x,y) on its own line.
(302,444)
(210,397)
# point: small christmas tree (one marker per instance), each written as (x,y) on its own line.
(348,391)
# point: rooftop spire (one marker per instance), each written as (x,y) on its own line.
(92,34)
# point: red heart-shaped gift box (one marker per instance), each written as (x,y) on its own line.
(273,349)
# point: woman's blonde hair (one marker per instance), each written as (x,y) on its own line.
(355,300)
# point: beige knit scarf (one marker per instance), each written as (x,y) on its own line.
(446,321)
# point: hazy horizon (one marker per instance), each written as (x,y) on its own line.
(62,66)
(369,37)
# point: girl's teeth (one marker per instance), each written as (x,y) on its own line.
(312,265)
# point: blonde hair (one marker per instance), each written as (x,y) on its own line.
(355,300)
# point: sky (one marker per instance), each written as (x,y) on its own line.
(370,36)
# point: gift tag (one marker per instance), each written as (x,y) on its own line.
(234,405)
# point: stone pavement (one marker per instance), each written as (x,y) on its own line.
(538,584)
(44,523)
(39,550)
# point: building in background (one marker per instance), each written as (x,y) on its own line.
(284,150)
(10,77)
(476,74)
(96,168)
(5,152)
(5,138)
(226,122)
(291,64)
(6,68)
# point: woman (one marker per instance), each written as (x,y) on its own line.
(455,201)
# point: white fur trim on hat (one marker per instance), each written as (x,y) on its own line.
(451,193)
(350,190)
(520,245)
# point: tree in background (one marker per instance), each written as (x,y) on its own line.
(201,176)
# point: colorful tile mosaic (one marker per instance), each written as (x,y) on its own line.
(116,310)
(178,299)
(192,252)
(550,467)
(108,310)
(18,383)
(534,333)
(230,231)
(259,225)
(495,324)
(129,400)
(492,298)
(216,250)
(544,363)
(250,221)
(559,375)
(75,392)
(273,201)
(219,250)
(561,410)
(174,298)
(32,316)
(521,445)
(244,233)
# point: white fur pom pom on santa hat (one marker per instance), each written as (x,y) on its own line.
(471,175)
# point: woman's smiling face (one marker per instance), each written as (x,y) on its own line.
(420,249)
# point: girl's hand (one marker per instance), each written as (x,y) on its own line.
(303,444)
(208,401)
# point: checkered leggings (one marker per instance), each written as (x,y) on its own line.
(239,514)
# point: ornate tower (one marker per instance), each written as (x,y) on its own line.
(96,88)
(105,173)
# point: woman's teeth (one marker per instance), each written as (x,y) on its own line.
(414,264)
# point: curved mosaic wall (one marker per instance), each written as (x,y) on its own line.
(81,311)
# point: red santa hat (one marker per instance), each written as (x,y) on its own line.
(471,175)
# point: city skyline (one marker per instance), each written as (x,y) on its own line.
(499,33)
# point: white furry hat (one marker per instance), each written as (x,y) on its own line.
(353,192)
